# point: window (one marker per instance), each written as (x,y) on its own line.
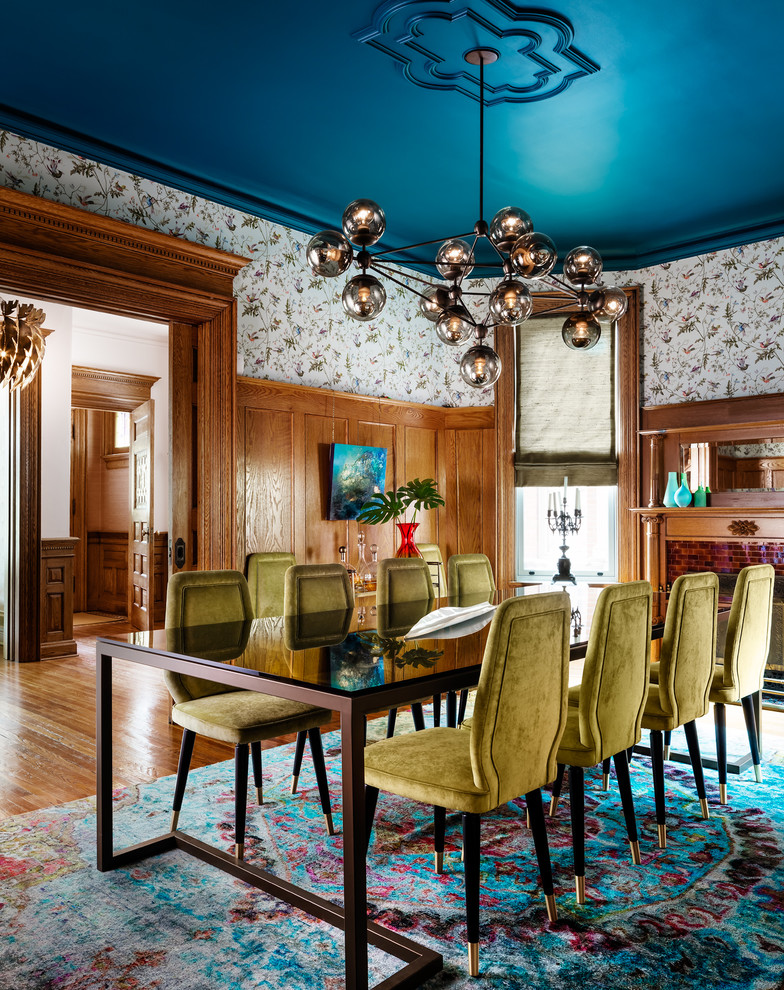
(116,439)
(592,551)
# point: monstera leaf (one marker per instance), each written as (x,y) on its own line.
(421,493)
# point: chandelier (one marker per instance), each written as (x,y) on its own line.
(523,255)
(21,343)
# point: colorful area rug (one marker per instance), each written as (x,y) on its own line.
(706,912)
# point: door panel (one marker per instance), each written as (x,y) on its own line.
(140,537)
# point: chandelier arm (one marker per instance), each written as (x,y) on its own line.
(386,271)
(563,285)
(459,279)
(397,281)
(410,247)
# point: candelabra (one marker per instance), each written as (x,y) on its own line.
(562,522)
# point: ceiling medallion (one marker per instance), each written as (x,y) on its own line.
(523,255)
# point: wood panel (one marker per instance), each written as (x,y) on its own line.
(107,572)
(78,514)
(57,558)
(183,482)
(283,471)
(160,542)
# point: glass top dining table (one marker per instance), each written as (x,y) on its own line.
(353,662)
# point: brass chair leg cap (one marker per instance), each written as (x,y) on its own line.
(239,850)
(704,808)
(527,818)
(439,862)
(666,752)
(294,782)
(259,796)
(174,820)
(328,822)
(662,836)
(552,911)
(579,888)
(635,848)
(605,781)
(758,773)
(554,804)
(722,793)
(473,959)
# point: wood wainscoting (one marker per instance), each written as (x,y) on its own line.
(107,568)
(57,580)
(284,434)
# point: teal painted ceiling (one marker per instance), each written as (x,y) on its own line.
(651,131)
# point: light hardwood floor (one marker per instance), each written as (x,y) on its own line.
(47,728)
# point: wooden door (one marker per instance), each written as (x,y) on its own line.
(140,537)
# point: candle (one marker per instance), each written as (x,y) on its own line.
(551,503)
(565,481)
(577,500)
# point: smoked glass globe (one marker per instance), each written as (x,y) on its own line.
(615,304)
(510,302)
(582,265)
(480,366)
(364,297)
(508,226)
(454,259)
(435,302)
(329,253)
(533,255)
(581,331)
(454,326)
(364,222)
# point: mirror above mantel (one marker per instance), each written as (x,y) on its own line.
(753,467)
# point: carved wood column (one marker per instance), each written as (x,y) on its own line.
(655,451)
(653,549)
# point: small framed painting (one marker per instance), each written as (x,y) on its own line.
(357,473)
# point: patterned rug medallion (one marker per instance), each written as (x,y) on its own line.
(706,912)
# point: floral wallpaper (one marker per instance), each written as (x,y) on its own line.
(738,451)
(291,324)
(710,325)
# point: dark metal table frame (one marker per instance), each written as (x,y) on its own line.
(420,962)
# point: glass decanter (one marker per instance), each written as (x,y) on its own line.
(352,574)
(369,571)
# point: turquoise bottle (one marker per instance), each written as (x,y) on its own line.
(669,493)
(683,494)
(700,498)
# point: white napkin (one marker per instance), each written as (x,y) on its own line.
(452,615)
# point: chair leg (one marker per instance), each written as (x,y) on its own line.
(753,731)
(533,802)
(317,752)
(439,835)
(627,800)
(418,716)
(258,783)
(183,766)
(371,800)
(690,728)
(436,710)
(471,831)
(720,727)
(577,808)
(451,709)
(667,741)
(630,755)
(299,752)
(240,798)
(657,768)
(461,709)
(555,795)
(606,774)
(391,719)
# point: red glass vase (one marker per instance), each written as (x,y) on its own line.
(408,547)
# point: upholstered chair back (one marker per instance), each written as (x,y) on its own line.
(204,598)
(317,588)
(748,629)
(431,552)
(614,684)
(520,710)
(266,577)
(689,646)
(403,579)
(469,576)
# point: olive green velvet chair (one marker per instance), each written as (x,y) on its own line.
(518,721)
(606,719)
(266,573)
(404,590)
(469,578)
(680,683)
(739,678)
(431,552)
(242,718)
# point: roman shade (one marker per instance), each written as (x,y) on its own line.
(565,408)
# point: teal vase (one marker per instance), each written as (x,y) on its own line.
(700,498)
(683,494)
(672,487)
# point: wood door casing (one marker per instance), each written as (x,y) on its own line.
(141,559)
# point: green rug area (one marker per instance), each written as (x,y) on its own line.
(706,912)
